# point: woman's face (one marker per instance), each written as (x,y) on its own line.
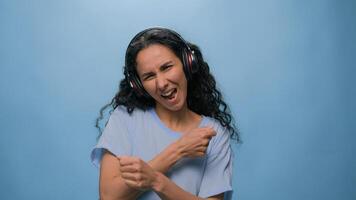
(162,76)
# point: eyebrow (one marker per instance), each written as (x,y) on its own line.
(144,75)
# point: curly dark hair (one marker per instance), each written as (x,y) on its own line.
(203,96)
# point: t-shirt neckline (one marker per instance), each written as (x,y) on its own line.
(168,130)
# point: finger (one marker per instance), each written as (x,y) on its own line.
(206,128)
(124,160)
(208,134)
(201,149)
(211,133)
(136,185)
(131,183)
(129,168)
(196,154)
(128,160)
(132,176)
(128,176)
(118,159)
(205,142)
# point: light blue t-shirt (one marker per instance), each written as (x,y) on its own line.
(144,135)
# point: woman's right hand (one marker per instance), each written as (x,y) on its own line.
(192,144)
(195,142)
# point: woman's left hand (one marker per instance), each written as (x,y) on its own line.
(136,173)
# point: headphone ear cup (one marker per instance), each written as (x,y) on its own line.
(189,63)
(139,87)
(186,65)
(135,84)
(194,62)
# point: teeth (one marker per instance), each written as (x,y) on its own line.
(166,94)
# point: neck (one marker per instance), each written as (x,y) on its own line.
(177,120)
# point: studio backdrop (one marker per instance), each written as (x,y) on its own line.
(286,68)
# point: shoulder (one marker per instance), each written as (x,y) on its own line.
(121,120)
(120,113)
(222,136)
(209,121)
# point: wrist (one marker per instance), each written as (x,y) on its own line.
(167,158)
(159,182)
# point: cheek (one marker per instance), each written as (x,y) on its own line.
(178,76)
(149,87)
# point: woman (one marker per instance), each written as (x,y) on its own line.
(168,133)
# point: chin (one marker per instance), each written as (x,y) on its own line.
(172,108)
(177,107)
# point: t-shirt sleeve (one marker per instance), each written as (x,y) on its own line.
(115,138)
(217,177)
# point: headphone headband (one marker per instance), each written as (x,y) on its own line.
(159,29)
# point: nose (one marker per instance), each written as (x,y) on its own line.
(161,82)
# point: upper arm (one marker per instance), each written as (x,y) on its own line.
(110,176)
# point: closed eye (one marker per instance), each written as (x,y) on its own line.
(165,67)
(148,76)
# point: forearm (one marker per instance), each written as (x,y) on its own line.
(168,190)
(166,159)
(162,162)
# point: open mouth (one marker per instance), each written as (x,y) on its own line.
(170,94)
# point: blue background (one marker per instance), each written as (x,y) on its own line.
(286,68)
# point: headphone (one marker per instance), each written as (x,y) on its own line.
(189,59)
